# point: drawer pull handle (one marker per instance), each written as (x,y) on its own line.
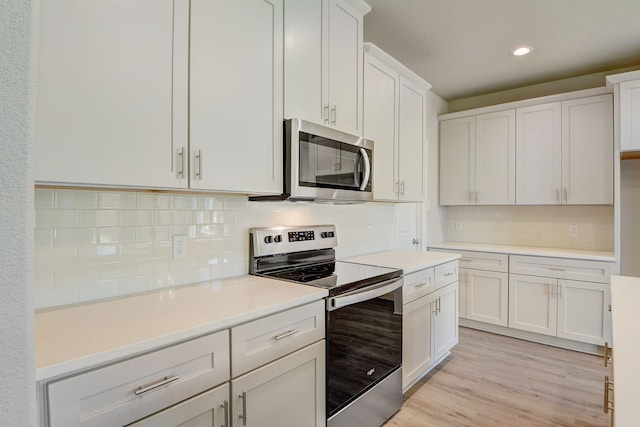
(226,413)
(608,388)
(243,416)
(286,334)
(166,380)
(448,274)
(557,269)
(421,285)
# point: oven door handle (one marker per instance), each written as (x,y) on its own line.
(368,293)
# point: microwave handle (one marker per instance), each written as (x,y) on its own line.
(367,169)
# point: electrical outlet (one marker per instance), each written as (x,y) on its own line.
(458,225)
(573,230)
(179,246)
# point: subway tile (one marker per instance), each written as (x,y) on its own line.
(44,199)
(248,218)
(54,255)
(113,200)
(43,275)
(161,249)
(98,253)
(210,203)
(187,230)
(107,235)
(55,296)
(152,266)
(75,273)
(152,201)
(116,270)
(43,238)
(132,218)
(152,233)
(236,203)
(197,217)
(76,199)
(195,275)
(98,218)
(183,202)
(168,217)
(213,230)
(56,218)
(168,279)
(75,236)
(98,290)
(136,251)
(135,284)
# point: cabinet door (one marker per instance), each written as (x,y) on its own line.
(289,392)
(236,96)
(381,89)
(343,95)
(445,320)
(111,98)
(538,154)
(417,346)
(487,296)
(411,139)
(533,304)
(303,35)
(496,158)
(583,313)
(208,409)
(457,160)
(630,115)
(587,150)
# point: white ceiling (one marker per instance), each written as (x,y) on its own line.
(462,47)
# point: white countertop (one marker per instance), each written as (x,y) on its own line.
(625,297)
(82,336)
(408,260)
(526,250)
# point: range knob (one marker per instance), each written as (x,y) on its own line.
(277,238)
(268,239)
(323,234)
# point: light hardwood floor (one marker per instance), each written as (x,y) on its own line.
(492,380)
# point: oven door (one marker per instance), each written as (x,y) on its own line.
(364,342)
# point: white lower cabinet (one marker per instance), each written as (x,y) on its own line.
(533,304)
(429,327)
(486,295)
(289,392)
(210,408)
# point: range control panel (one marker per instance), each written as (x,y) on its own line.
(279,240)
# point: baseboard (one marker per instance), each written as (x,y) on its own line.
(531,336)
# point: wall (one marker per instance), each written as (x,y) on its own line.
(99,244)
(629,214)
(547,226)
(436,216)
(17,384)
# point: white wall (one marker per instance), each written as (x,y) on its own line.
(436,216)
(17,380)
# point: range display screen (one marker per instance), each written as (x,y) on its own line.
(301,236)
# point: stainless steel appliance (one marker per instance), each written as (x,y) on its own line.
(323,164)
(364,319)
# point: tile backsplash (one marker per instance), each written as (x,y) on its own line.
(90,245)
(574,227)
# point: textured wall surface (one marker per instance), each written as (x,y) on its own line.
(17,386)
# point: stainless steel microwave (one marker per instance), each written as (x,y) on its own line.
(324,164)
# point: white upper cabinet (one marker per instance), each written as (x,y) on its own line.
(323,62)
(477,159)
(395,119)
(236,95)
(538,159)
(630,115)
(152,94)
(111,93)
(565,152)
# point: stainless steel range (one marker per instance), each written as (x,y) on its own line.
(364,319)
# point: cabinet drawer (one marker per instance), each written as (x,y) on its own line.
(130,390)
(446,273)
(481,260)
(418,284)
(561,268)
(255,343)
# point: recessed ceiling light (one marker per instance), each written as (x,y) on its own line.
(521,51)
